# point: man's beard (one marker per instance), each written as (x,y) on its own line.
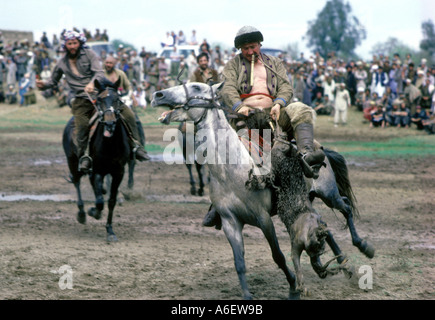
(72,56)
(109,70)
(203,68)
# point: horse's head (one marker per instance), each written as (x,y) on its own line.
(108,103)
(188,102)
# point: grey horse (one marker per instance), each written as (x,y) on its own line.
(238,205)
(229,170)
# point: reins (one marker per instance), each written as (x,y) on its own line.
(99,110)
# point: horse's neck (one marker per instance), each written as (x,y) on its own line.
(215,127)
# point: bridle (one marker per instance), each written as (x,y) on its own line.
(210,102)
(102,111)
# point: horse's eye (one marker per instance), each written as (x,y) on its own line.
(197,88)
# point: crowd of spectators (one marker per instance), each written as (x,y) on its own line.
(22,62)
(389,91)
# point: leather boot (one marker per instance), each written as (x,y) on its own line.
(141,154)
(212,219)
(311,159)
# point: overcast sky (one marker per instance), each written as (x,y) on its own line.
(145,22)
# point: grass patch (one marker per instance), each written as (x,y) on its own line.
(417,146)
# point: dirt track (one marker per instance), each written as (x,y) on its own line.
(165,253)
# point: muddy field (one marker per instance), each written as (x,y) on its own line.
(164,253)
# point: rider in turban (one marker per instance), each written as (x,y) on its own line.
(81,67)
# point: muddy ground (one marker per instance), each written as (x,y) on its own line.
(163,251)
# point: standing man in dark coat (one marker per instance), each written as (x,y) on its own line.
(351,83)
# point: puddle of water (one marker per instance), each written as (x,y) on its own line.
(34,197)
(423,246)
(43,162)
(180,198)
(177,158)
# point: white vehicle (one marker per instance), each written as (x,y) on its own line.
(184,50)
(99,46)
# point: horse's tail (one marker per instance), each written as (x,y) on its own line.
(339,166)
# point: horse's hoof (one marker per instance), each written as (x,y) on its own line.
(368,250)
(349,271)
(248,296)
(81,217)
(295,295)
(193,191)
(200,193)
(93,212)
(111,238)
(322,274)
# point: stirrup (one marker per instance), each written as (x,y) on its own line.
(80,162)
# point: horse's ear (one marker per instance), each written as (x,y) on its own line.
(218,87)
(97,85)
(117,83)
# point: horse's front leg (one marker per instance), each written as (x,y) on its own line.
(296,258)
(269,232)
(116,182)
(97,184)
(191,180)
(81,215)
(131,166)
(200,170)
(233,231)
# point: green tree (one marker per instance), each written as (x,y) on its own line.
(428,42)
(335,29)
(394,45)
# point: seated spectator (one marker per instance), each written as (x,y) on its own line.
(367,112)
(378,117)
(403,119)
(325,106)
(418,117)
(29,96)
(11,95)
(392,114)
(429,124)
(318,88)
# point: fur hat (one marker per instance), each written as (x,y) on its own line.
(247,34)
